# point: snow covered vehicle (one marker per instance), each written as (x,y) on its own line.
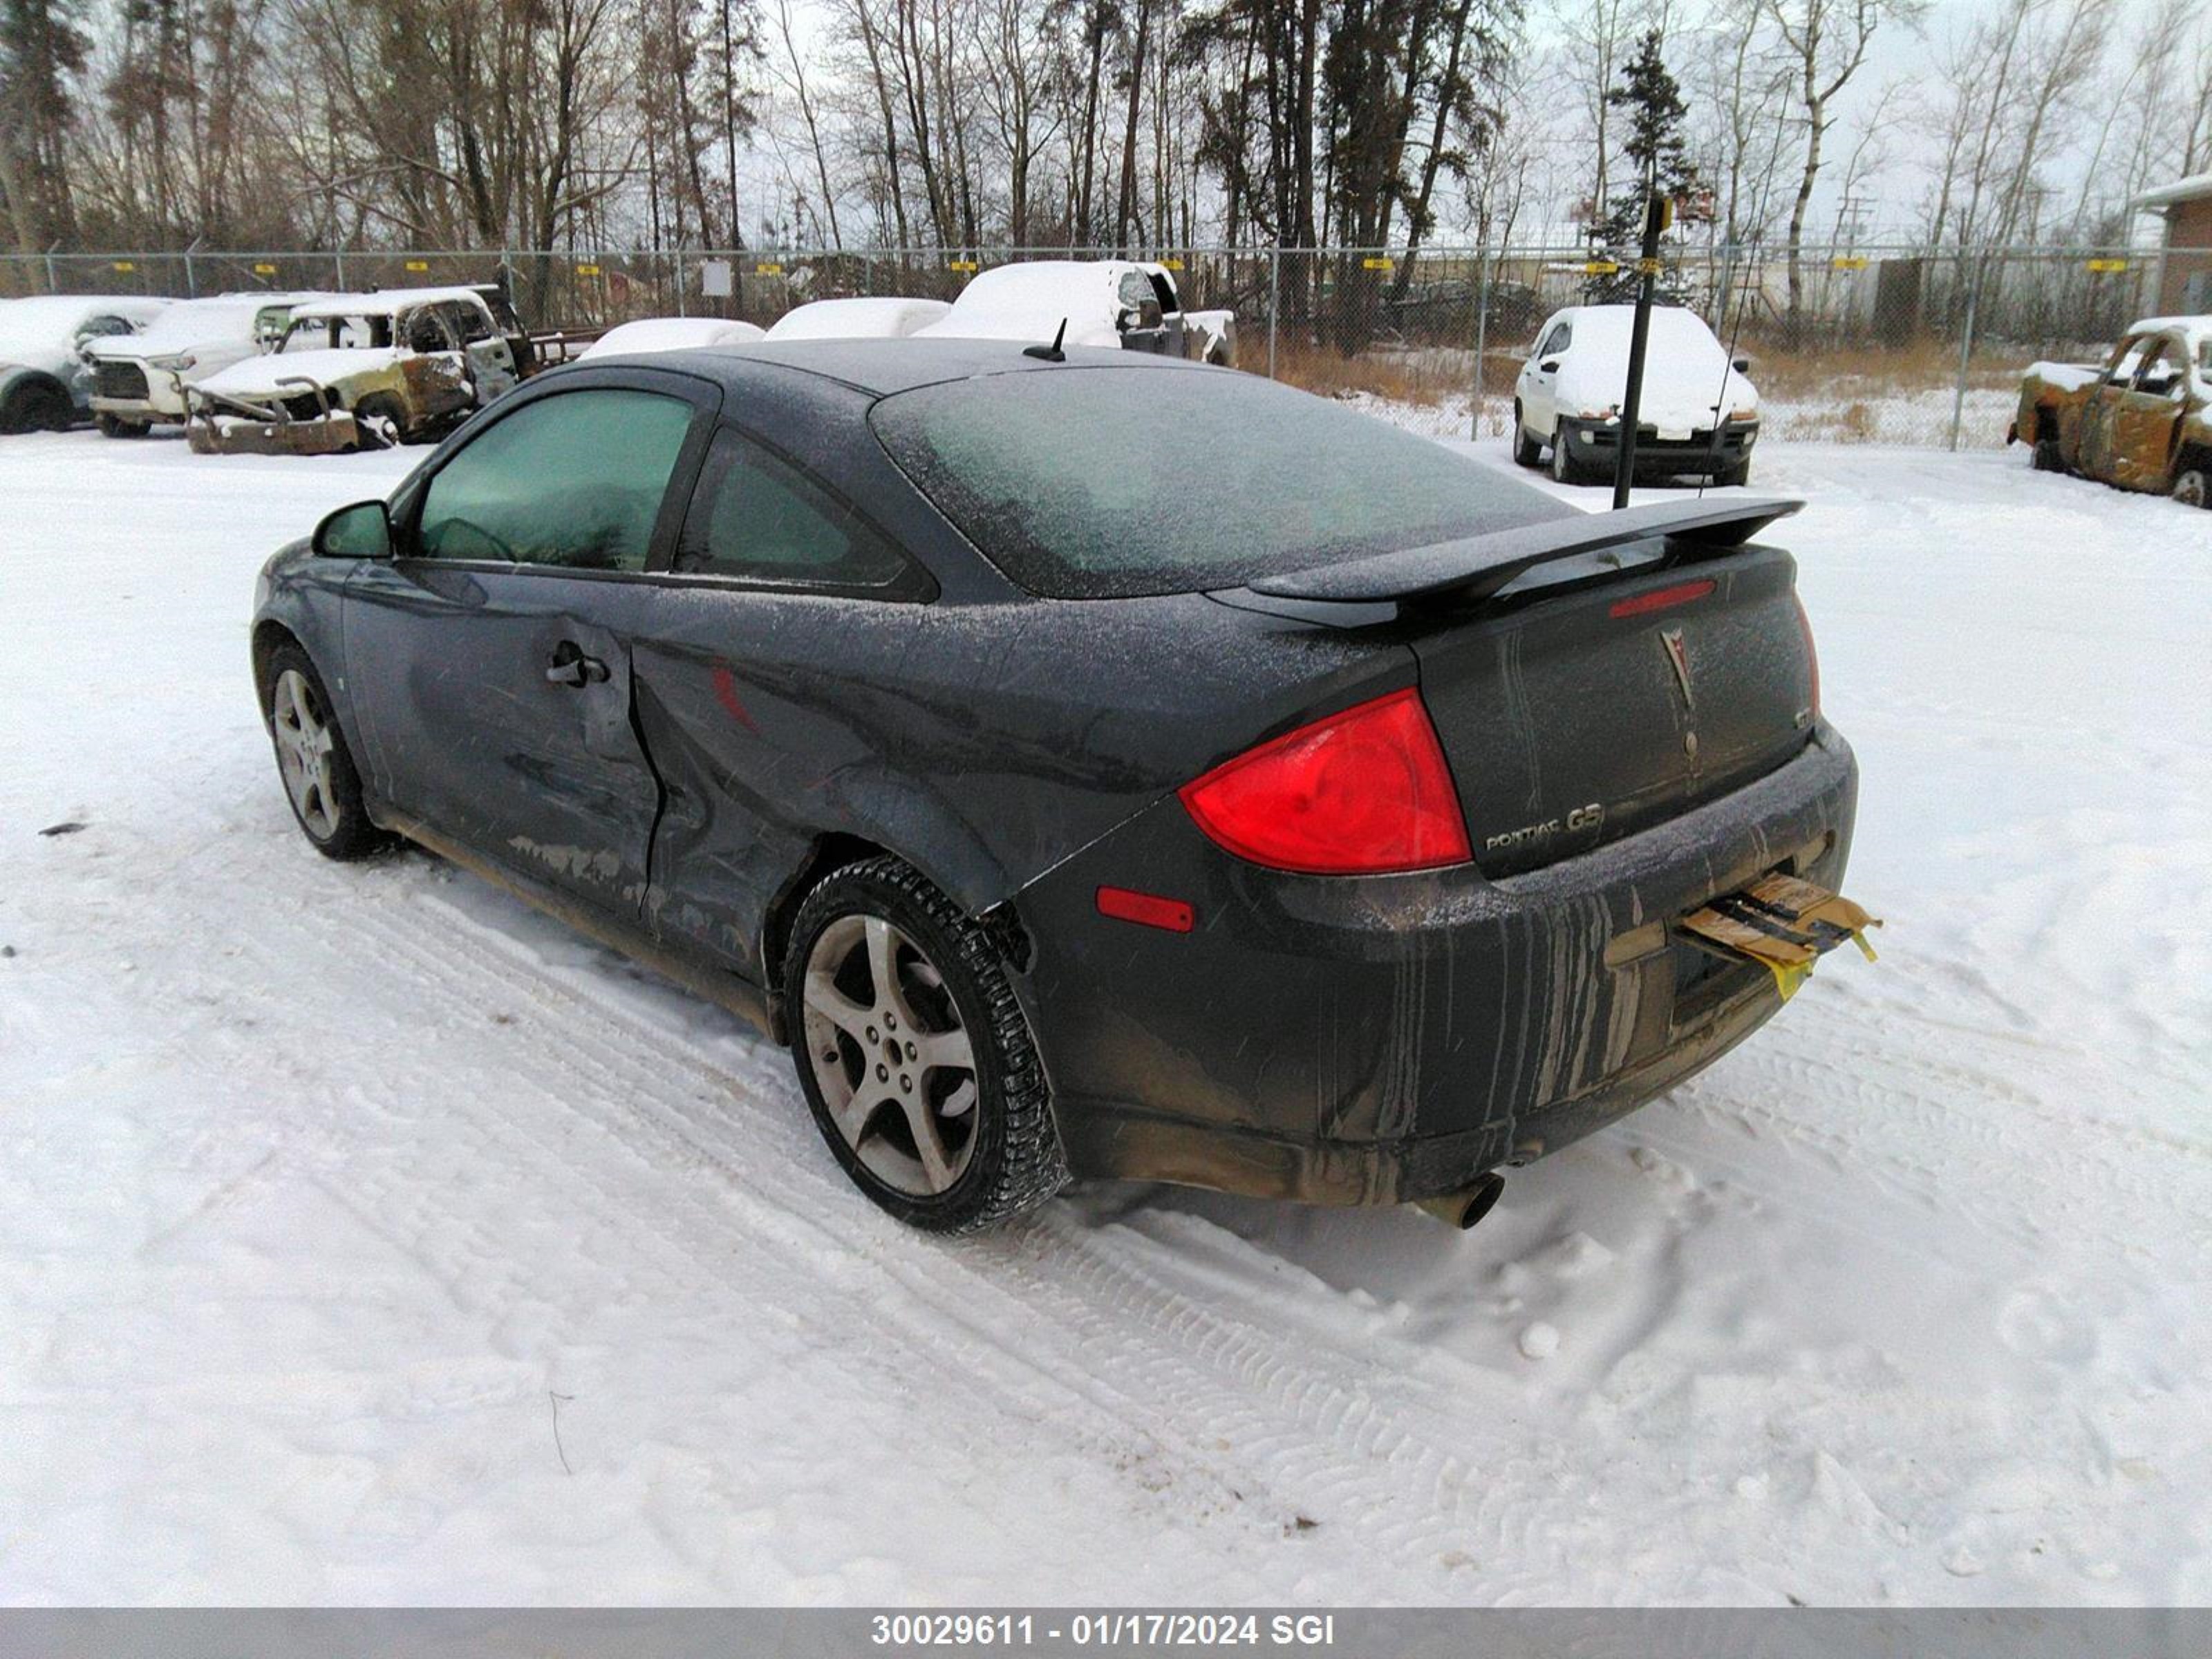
(1699,413)
(1103,302)
(139,380)
(364,370)
(670,334)
(871,318)
(45,381)
(2142,420)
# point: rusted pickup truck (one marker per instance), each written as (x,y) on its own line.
(2142,421)
(360,371)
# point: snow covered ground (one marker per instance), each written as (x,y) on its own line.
(364,1237)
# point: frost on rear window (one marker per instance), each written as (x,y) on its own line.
(1109,482)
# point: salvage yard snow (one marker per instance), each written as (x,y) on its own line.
(365,1238)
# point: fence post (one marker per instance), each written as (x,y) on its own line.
(337,264)
(1965,355)
(679,284)
(1274,301)
(1481,337)
(192,279)
(54,285)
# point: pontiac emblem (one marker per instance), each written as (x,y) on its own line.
(1679,659)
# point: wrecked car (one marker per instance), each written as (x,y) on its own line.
(2141,420)
(45,379)
(867,317)
(1122,303)
(364,371)
(139,380)
(901,697)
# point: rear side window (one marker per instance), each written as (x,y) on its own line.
(1109,482)
(576,480)
(756,517)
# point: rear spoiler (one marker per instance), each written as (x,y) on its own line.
(1475,568)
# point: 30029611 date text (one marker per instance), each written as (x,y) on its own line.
(1104,1630)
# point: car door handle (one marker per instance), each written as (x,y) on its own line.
(572,667)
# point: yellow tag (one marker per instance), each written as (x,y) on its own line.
(1170,264)
(2108,265)
(587,270)
(1848,262)
(264,270)
(418,265)
(1601,268)
(961,264)
(126,265)
(1649,267)
(1375,265)
(767,270)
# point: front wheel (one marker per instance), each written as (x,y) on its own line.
(1730,478)
(114,426)
(1565,469)
(311,757)
(2192,484)
(2047,457)
(914,1055)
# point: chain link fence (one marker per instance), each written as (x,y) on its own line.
(1846,345)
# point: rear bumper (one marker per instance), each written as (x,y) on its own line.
(1700,453)
(1382,1039)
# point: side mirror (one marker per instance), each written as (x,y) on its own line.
(1742,365)
(1549,366)
(362,531)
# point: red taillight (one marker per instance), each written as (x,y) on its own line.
(1360,792)
(1660,599)
(1812,653)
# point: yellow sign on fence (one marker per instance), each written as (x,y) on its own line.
(264,270)
(418,264)
(1170,264)
(1848,262)
(126,265)
(2108,265)
(769,270)
(1375,265)
(1601,268)
(962,264)
(587,270)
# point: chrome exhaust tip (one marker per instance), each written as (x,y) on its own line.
(1463,1208)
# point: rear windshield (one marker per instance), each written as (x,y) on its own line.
(1108,482)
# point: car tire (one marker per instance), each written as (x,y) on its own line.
(1527,452)
(2047,457)
(1565,469)
(114,426)
(314,760)
(952,1147)
(1730,478)
(2192,484)
(384,410)
(37,407)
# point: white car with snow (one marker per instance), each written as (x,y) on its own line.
(880,316)
(138,380)
(653,334)
(1119,303)
(45,382)
(1699,413)
(363,370)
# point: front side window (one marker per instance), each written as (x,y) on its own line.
(576,480)
(2164,371)
(1556,341)
(757,517)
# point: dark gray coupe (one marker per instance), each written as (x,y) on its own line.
(1097,766)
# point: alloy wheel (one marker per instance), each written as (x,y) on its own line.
(890,1055)
(304,742)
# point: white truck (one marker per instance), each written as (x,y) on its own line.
(139,380)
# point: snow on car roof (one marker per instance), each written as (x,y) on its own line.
(1027,301)
(43,320)
(387,302)
(877,317)
(671,334)
(193,322)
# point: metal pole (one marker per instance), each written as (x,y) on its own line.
(338,263)
(1481,336)
(679,284)
(1965,355)
(1274,301)
(1631,402)
(53,284)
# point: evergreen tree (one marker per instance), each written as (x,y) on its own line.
(1657,153)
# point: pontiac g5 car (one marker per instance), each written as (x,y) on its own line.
(1332,832)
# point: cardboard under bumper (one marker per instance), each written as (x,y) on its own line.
(1782,923)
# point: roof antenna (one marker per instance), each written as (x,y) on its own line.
(1051,354)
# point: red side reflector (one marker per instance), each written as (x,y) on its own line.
(1661,599)
(1150,909)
